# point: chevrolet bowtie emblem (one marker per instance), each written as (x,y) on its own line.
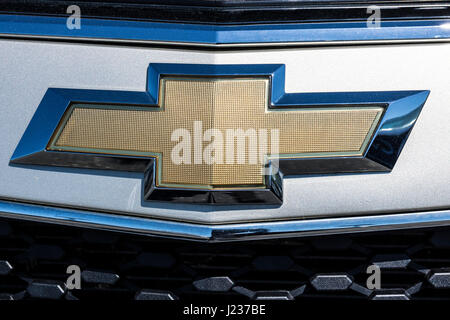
(219,134)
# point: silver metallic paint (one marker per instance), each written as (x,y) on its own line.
(420,180)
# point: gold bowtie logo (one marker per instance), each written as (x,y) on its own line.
(215,132)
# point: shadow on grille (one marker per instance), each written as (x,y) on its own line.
(34,257)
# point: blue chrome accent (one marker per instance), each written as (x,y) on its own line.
(223,232)
(102,29)
(401,111)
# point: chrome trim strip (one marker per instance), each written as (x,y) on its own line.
(231,46)
(225,232)
(182,33)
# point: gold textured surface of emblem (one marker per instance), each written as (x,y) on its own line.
(208,109)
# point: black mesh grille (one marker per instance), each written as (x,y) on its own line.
(34,258)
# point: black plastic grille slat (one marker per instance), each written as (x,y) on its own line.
(234,12)
(122,266)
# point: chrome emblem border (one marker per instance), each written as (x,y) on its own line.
(401,111)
